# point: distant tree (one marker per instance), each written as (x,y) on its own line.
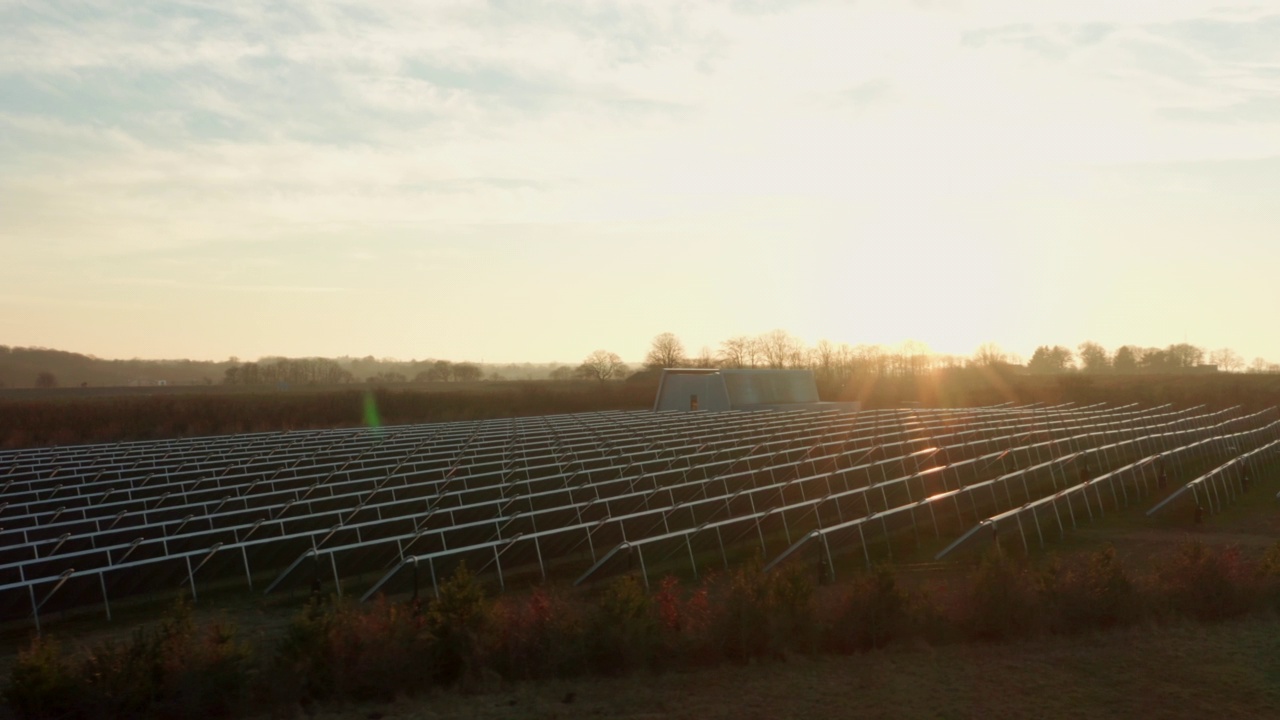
(46,380)
(779,349)
(602,365)
(914,358)
(1047,359)
(440,371)
(1093,357)
(467,372)
(1183,355)
(1126,359)
(870,360)
(990,353)
(822,357)
(1227,359)
(1261,365)
(389,376)
(738,352)
(1154,360)
(564,372)
(666,351)
(705,359)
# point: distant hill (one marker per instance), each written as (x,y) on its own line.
(21,367)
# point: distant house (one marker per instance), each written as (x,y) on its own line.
(738,389)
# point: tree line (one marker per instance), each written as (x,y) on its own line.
(779,349)
(834,362)
(322,371)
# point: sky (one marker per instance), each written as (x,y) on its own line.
(530,180)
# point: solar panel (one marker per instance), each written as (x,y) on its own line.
(576,497)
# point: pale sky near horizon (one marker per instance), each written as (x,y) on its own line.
(533,180)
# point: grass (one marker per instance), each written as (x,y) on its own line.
(1174,671)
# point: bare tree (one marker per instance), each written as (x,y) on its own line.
(989,353)
(1227,359)
(916,357)
(666,351)
(705,359)
(602,365)
(778,348)
(1261,365)
(737,352)
(46,380)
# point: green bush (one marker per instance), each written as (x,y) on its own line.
(623,632)
(456,621)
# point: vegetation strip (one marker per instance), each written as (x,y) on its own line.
(335,651)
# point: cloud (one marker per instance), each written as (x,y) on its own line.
(1264,109)
(869,93)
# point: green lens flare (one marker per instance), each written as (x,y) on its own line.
(371,417)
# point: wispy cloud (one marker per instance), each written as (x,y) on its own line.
(306,147)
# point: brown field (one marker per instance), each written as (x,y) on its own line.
(66,416)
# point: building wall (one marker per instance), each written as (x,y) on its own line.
(770,387)
(678,389)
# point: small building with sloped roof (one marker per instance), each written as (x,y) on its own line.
(719,389)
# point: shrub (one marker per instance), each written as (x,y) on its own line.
(759,614)
(1002,601)
(623,631)
(1269,577)
(174,669)
(456,620)
(684,622)
(1206,585)
(341,650)
(42,683)
(873,611)
(536,636)
(1087,594)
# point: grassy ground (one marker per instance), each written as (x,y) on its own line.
(1187,671)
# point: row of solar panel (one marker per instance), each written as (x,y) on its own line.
(763,428)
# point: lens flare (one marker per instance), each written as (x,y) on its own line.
(371,417)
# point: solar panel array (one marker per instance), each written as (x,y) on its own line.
(578,497)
